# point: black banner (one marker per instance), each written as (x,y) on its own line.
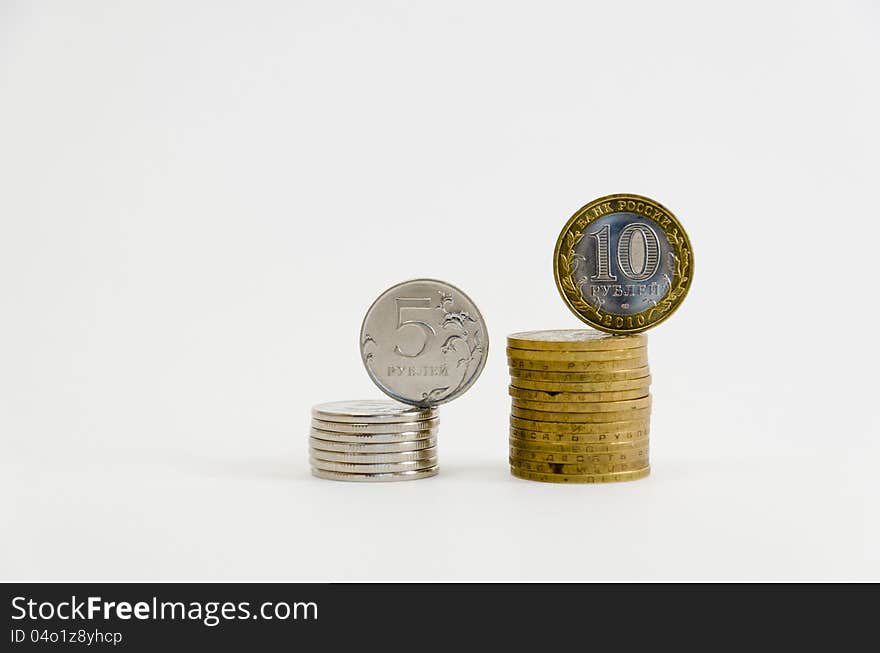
(150,617)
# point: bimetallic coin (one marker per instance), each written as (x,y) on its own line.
(584,406)
(578,469)
(574,479)
(640,353)
(424,342)
(565,447)
(375,438)
(357,447)
(398,427)
(632,414)
(547,387)
(579,377)
(375,478)
(576,397)
(370,411)
(623,263)
(578,366)
(362,458)
(372,468)
(573,340)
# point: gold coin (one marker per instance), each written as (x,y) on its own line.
(596,386)
(632,414)
(584,406)
(573,340)
(582,457)
(577,397)
(616,438)
(595,376)
(572,478)
(577,366)
(578,469)
(640,427)
(551,446)
(623,263)
(577,356)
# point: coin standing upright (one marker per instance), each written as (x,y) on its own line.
(424,342)
(623,263)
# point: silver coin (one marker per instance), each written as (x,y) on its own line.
(376,478)
(370,411)
(383,447)
(372,468)
(375,438)
(397,427)
(424,342)
(362,458)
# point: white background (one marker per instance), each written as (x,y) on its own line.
(200,200)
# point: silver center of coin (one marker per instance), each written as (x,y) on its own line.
(424,342)
(623,263)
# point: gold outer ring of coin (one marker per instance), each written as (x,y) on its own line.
(577,366)
(580,458)
(400,427)
(583,406)
(576,479)
(361,458)
(576,446)
(576,469)
(582,418)
(592,341)
(375,438)
(576,356)
(577,397)
(596,386)
(564,271)
(579,377)
(372,468)
(640,425)
(375,478)
(369,447)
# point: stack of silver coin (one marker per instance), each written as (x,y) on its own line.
(423,343)
(373,440)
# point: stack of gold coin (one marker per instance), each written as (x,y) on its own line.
(581,406)
(373,440)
